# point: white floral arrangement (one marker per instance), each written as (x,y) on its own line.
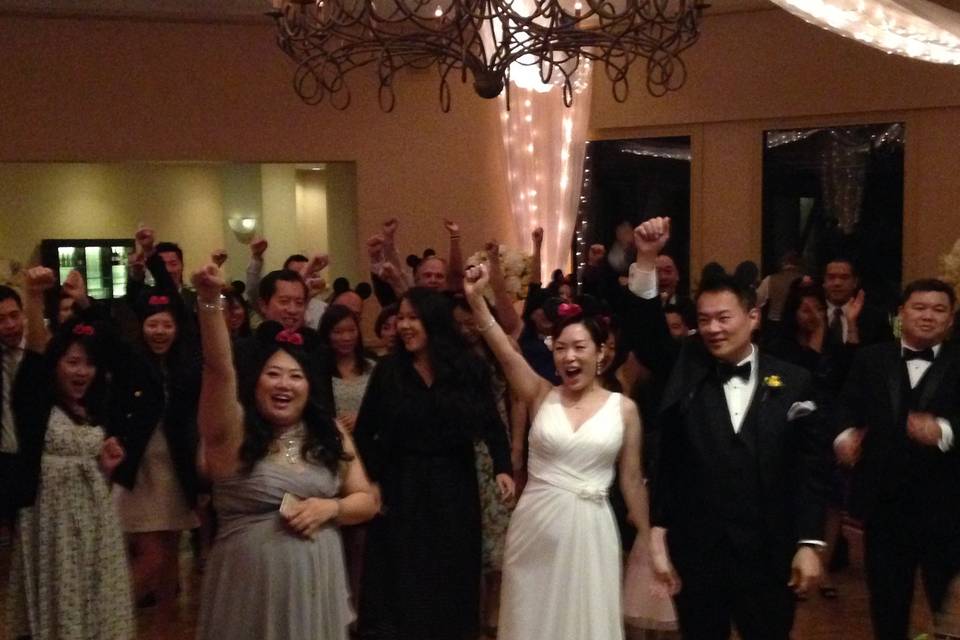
(950,267)
(515,266)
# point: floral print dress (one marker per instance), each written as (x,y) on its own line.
(69,577)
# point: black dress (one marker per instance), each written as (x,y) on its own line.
(422,567)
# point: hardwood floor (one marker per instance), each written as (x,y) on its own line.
(846,618)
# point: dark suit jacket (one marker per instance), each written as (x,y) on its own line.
(895,475)
(792,461)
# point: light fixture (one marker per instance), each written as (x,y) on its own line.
(913,28)
(534,43)
(242,226)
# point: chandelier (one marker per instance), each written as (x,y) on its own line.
(531,42)
(912,28)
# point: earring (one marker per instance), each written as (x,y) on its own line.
(599,366)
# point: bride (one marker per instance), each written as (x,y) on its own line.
(561,574)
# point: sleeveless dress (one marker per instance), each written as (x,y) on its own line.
(68,576)
(561,575)
(263,581)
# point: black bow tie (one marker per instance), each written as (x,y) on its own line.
(726,371)
(923,354)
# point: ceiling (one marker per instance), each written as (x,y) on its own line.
(249,10)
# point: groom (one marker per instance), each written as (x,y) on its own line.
(742,471)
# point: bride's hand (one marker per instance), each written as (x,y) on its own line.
(475,281)
(506,486)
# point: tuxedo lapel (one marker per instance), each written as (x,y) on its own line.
(895,373)
(769,412)
(934,376)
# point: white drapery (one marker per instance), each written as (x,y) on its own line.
(544,144)
(913,28)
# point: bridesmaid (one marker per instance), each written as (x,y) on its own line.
(284,478)
(69,576)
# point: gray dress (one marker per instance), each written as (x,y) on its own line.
(263,581)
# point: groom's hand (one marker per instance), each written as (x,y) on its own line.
(805,571)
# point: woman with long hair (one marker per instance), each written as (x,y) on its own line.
(155,387)
(350,370)
(425,405)
(68,575)
(561,573)
(284,476)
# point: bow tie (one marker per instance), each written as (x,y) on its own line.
(726,371)
(923,354)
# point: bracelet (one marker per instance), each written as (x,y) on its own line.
(456,237)
(218,305)
(487,326)
(339,508)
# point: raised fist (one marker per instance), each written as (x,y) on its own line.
(74,287)
(652,236)
(208,282)
(258,247)
(39,279)
(146,240)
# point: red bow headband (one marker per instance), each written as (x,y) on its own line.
(158,301)
(290,337)
(83,330)
(568,309)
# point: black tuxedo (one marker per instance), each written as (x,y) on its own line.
(907,494)
(735,505)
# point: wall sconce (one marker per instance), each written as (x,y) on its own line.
(242,227)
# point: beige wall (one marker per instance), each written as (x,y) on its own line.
(116,90)
(765,70)
(70,200)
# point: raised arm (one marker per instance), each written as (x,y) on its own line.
(258,246)
(220,416)
(455,262)
(37,280)
(523,380)
(536,256)
(506,313)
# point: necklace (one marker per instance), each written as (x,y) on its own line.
(286,446)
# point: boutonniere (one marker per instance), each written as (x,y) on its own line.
(773,382)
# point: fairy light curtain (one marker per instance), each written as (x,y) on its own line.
(912,28)
(544,143)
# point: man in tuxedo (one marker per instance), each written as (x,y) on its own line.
(899,412)
(12,344)
(841,284)
(739,496)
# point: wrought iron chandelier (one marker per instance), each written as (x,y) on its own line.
(533,42)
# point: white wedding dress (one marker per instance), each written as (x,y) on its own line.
(562,565)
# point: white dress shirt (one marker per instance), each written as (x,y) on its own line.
(916,369)
(10,361)
(739,392)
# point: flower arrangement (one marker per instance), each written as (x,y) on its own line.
(516,269)
(950,266)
